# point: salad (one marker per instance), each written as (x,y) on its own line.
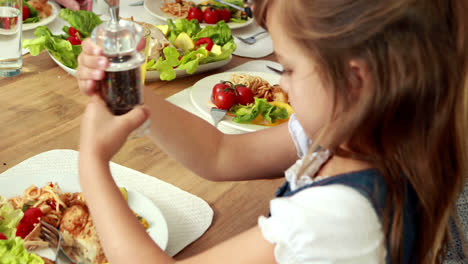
(211,12)
(189,46)
(186,44)
(67,46)
(248,102)
(12,249)
(35,10)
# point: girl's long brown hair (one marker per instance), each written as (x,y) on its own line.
(413,121)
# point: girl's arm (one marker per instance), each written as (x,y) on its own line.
(125,240)
(216,156)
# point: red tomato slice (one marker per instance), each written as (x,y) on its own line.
(74,32)
(74,40)
(24,229)
(207,41)
(2,236)
(32,216)
(26,12)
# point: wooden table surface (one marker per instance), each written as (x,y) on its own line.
(41,110)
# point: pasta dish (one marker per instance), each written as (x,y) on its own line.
(179,8)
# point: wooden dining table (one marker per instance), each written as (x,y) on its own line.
(41,109)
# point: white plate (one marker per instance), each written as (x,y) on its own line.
(44,21)
(154,8)
(200,95)
(15,180)
(154,75)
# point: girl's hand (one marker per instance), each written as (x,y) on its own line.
(91,66)
(102,133)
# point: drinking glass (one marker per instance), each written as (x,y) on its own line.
(10,37)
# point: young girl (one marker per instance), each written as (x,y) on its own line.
(380,125)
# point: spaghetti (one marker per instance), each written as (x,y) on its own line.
(260,87)
(51,201)
(179,8)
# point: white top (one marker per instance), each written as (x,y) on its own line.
(324,224)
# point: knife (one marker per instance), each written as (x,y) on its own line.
(137,3)
(247,10)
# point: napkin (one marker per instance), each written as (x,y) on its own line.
(187,215)
(263,47)
(182,98)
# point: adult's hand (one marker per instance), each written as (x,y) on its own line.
(76,5)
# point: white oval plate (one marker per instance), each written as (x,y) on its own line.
(15,180)
(154,75)
(154,8)
(44,21)
(200,95)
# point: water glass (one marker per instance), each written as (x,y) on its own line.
(10,37)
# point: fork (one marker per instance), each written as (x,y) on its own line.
(53,236)
(217,115)
(252,39)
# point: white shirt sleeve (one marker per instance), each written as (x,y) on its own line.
(326,224)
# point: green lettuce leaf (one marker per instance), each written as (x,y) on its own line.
(219,34)
(57,46)
(246,114)
(83,21)
(226,52)
(12,251)
(9,219)
(166,67)
(182,25)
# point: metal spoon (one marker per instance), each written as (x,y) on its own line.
(252,39)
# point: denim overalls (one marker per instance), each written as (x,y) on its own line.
(371,184)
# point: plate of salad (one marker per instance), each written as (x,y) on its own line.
(32,17)
(206,12)
(248,97)
(179,48)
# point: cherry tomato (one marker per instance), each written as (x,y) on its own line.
(26,12)
(207,41)
(23,229)
(2,236)
(195,13)
(74,40)
(245,95)
(211,16)
(31,216)
(74,32)
(225,99)
(224,14)
(5,23)
(218,87)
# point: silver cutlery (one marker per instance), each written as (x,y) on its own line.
(275,70)
(247,9)
(217,115)
(252,39)
(53,236)
(137,3)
